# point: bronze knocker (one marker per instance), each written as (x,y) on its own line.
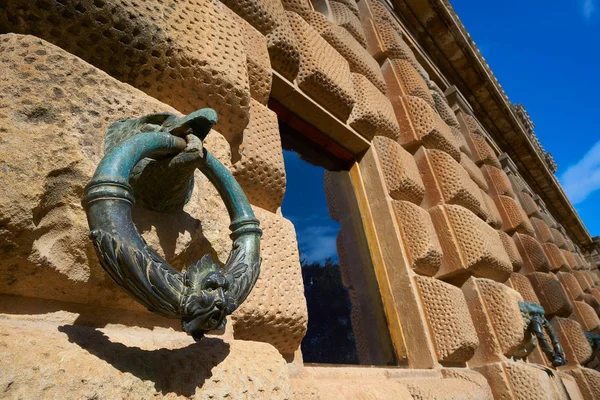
(143,150)
(535,324)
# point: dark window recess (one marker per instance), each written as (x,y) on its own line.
(346,323)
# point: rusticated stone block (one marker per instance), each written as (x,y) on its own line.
(381,14)
(372,114)
(582,278)
(404,80)
(260,170)
(300,7)
(464,148)
(374,42)
(572,338)
(418,235)
(542,231)
(551,294)
(498,181)
(587,317)
(344,17)
(458,387)
(532,252)
(421,126)
(492,216)
(554,254)
(570,258)
(352,6)
(513,216)
(472,125)
(592,302)
(269,18)
(473,171)
(444,110)
(204,64)
(446,182)
(588,381)
(522,381)
(481,151)
(400,171)
(449,320)
(469,245)
(559,238)
(359,59)
(275,311)
(511,250)
(73,361)
(495,311)
(522,285)
(324,74)
(571,285)
(530,207)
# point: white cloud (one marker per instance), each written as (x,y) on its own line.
(589,7)
(583,178)
(317,243)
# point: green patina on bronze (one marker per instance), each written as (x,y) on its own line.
(150,158)
(535,324)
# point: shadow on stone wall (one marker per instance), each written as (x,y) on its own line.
(181,371)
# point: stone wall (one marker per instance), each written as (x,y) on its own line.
(456,235)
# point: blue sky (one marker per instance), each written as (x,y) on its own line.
(546,55)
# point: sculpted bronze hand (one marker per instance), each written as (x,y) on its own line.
(152,153)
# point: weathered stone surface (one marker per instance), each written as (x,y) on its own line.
(449,389)
(522,285)
(481,151)
(582,278)
(300,7)
(448,316)
(497,319)
(498,181)
(559,238)
(44,360)
(404,80)
(203,65)
(474,171)
(269,18)
(532,252)
(542,231)
(372,114)
(446,182)
(55,112)
(421,126)
(572,338)
(530,207)
(444,110)
(587,317)
(555,256)
(324,74)
(512,251)
(399,170)
(571,285)
(588,381)
(469,245)
(418,235)
(514,218)
(260,170)
(493,217)
(551,294)
(344,17)
(275,312)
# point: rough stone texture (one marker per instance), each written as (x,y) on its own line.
(269,18)
(511,250)
(522,285)
(473,171)
(446,182)
(422,247)
(587,317)
(514,218)
(530,206)
(572,338)
(56,107)
(146,46)
(551,294)
(300,7)
(449,389)
(400,171)
(498,181)
(469,245)
(324,74)
(404,80)
(481,151)
(421,126)
(497,318)
(493,217)
(449,320)
(583,281)
(275,311)
(571,285)
(344,17)
(571,386)
(554,254)
(374,42)
(260,170)
(521,381)
(542,230)
(588,381)
(532,252)
(312,389)
(372,114)
(45,360)
(570,257)
(359,59)
(559,238)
